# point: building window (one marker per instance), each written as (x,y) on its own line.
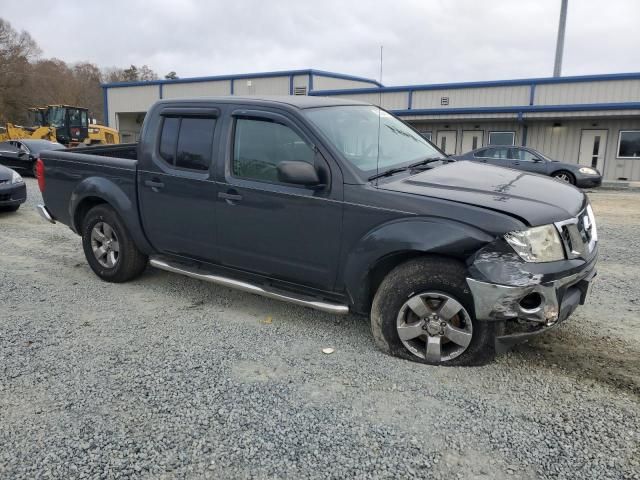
(425,134)
(502,138)
(629,144)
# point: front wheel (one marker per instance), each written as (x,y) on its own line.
(565,177)
(108,246)
(423,311)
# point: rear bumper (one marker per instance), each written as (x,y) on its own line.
(45,213)
(12,194)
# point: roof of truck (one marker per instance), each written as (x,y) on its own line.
(297,101)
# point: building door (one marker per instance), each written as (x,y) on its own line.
(592,148)
(446,140)
(471,139)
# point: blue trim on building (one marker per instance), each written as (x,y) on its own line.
(105,106)
(311,83)
(410,100)
(493,83)
(231,85)
(283,73)
(581,107)
(524,135)
(160,91)
(290,84)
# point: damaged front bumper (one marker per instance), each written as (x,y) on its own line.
(532,303)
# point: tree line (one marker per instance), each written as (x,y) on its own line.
(27,80)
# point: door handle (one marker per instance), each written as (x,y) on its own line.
(155,184)
(230,196)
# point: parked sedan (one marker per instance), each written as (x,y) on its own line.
(13,191)
(530,160)
(22,154)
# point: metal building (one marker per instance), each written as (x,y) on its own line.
(593,120)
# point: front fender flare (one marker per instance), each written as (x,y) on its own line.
(415,236)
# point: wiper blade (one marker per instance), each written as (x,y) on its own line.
(388,173)
(427,161)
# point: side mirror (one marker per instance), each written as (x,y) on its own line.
(537,160)
(299,173)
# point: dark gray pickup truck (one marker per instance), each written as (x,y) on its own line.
(334,205)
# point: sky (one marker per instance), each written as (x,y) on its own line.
(424,41)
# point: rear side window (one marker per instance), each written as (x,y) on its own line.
(187,142)
(260,145)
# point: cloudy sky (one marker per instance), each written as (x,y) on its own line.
(424,41)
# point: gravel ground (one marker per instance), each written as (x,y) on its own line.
(168,377)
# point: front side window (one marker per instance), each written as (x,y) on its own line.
(370,138)
(629,144)
(502,138)
(261,144)
(523,155)
(56,117)
(187,142)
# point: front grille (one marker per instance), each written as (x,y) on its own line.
(5,197)
(579,234)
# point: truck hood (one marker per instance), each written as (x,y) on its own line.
(535,199)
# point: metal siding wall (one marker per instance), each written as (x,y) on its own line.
(563,143)
(390,101)
(200,89)
(487,127)
(472,97)
(262,86)
(588,92)
(301,81)
(131,99)
(321,82)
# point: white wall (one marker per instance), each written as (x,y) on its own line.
(130,99)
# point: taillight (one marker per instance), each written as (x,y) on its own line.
(40,174)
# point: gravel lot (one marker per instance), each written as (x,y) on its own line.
(168,377)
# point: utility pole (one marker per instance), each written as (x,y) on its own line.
(557,66)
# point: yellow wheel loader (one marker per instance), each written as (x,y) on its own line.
(67,124)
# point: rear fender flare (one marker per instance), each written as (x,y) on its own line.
(115,195)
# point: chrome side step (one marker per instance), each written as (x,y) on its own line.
(249,287)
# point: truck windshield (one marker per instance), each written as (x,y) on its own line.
(353,130)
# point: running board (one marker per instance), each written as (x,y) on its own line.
(249,287)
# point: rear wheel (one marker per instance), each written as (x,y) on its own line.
(108,246)
(423,311)
(564,176)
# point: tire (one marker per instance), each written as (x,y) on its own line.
(439,280)
(12,208)
(564,176)
(103,230)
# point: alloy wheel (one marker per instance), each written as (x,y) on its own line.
(105,245)
(434,326)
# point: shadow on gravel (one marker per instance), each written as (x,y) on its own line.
(603,359)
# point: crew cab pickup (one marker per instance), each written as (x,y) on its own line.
(335,205)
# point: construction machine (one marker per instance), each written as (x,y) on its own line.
(67,124)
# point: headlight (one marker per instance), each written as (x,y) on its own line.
(537,244)
(589,171)
(16,178)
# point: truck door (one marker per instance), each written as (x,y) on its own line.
(176,192)
(283,231)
